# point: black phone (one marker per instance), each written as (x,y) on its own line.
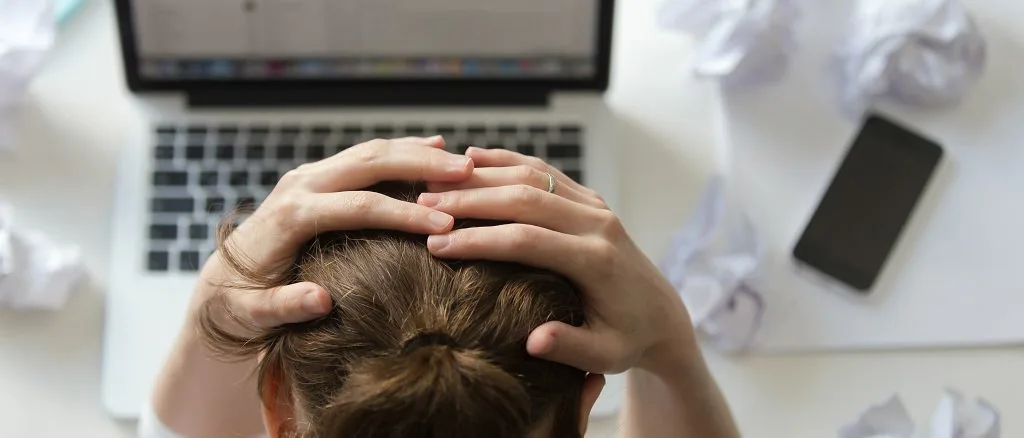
(869,202)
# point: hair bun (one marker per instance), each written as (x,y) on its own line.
(429,393)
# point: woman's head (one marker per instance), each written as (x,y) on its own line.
(415,346)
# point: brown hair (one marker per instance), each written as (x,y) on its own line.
(464,371)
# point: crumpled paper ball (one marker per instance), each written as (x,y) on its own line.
(954,418)
(28,29)
(917,52)
(709,262)
(738,41)
(35,273)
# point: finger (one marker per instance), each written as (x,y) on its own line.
(508,176)
(579,347)
(370,210)
(505,158)
(525,244)
(435,141)
(386,160)
(294,303)
(518,203)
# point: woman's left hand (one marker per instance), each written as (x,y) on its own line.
(635,317)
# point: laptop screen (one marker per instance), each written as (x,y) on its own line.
(261,40)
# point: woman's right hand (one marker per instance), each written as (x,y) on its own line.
(323,196)
(635,317)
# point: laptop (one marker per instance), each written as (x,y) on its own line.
(233,93)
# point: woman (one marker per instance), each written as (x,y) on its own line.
(634,320)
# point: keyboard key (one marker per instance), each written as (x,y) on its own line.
(166,129)
(245,203)
(196,129)
(225,152)
(215,204)
(570,130)
(385,131)
(198,232)
(415,130)
(165,179)
(291,130)
(527,149)
(574,175)
(259,130)
(508,129)
(163,232)
(352,130)
(538,129)
(315,152)
(227,130)
(445,130)
(173,205)
(208,179)
(164,153)
(195,153)
(476,129)
(227,139)
(165,140)
(322,130)
(239,178)
(564,150)
(286,152)
(342,147)
(158,261)
(269,178)
(254,152)
(188,261)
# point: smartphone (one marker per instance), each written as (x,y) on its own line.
(867,205)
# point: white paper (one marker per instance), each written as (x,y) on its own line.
(918,52)
(738,41)
(35,273)
(27,31)
(954,418)
(709,262)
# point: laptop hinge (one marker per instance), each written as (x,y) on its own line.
(370,96)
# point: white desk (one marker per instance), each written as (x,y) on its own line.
(61,182)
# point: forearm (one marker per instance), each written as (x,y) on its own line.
(198,396)
(676,398)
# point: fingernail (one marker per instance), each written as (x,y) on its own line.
(458,164)
(440,220)
(434,139)
(430,199)
(438,242)
(312,304)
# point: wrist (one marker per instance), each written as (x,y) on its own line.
(677,350)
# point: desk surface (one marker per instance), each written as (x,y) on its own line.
(61,180)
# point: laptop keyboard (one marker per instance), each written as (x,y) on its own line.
(202,172)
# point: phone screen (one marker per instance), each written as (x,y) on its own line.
(871,197)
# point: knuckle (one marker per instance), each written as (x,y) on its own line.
(603,256)
(370,151)
(520,238)
(360,202)
(288,212)
(609,224)
(525,174)
(524,194)
(536,163)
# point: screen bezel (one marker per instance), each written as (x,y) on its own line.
(137,83)
(819,257)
